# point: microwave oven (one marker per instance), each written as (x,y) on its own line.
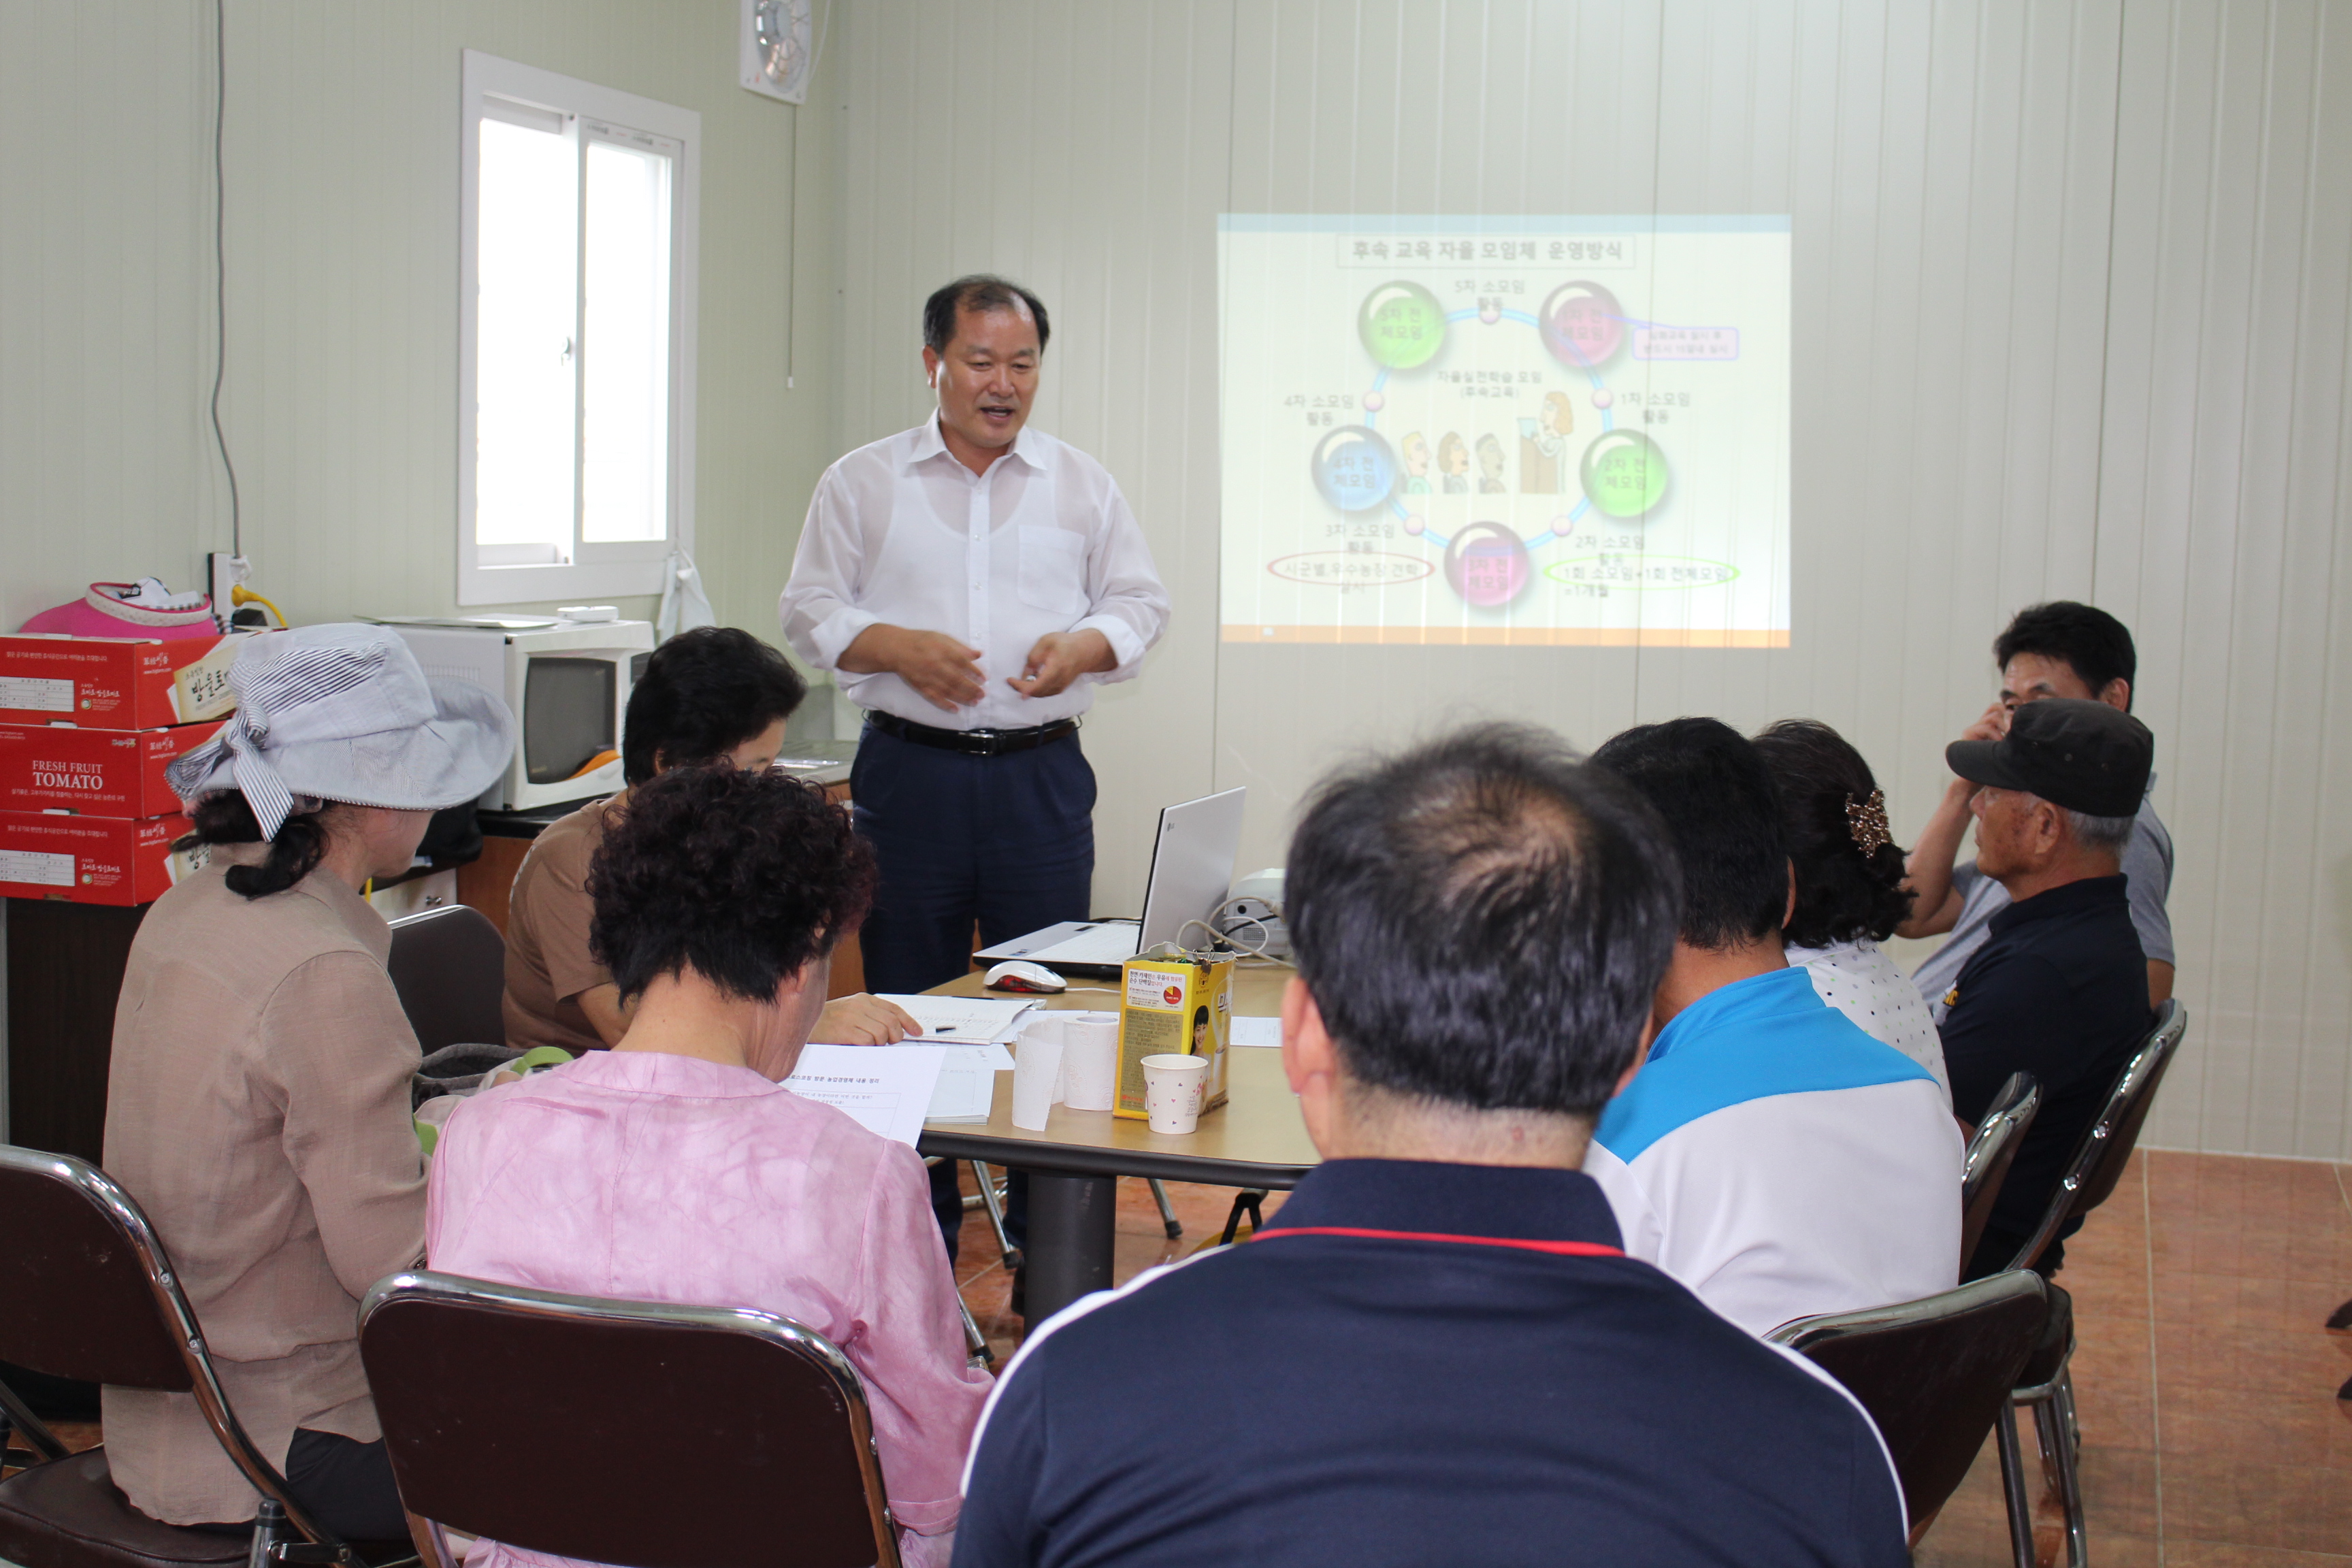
(568,687)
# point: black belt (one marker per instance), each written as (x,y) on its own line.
(973,742)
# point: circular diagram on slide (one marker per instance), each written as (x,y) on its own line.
(1623,475)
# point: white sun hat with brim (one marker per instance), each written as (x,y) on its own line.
(345,713)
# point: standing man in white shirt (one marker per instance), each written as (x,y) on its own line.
(970,581)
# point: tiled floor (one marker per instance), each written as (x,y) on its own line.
(2211,1434)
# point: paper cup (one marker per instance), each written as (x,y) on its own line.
(1090,1063)
(1172,1091)
(1036,1070)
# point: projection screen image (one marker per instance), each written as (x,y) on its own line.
(1523,430)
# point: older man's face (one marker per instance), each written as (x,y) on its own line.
(986,378)
(2007,830)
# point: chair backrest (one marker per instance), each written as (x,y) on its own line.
(449,966)
(1991,1152)
(747,1435)
(2099,1160)
(1934,1373)
(78,1267)
(87,1291)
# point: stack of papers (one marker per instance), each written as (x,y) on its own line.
(887,1091)
(1249,1030)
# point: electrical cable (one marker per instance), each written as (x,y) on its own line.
(220,271)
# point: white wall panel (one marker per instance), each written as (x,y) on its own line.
(340,147)
(2071,305)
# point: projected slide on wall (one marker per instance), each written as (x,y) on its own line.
(1532,430)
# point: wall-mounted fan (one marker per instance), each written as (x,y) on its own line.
(776,50)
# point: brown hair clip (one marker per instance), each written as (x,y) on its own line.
(1866,821)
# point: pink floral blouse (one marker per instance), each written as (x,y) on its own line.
(651,1177)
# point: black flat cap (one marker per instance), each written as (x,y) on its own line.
(2084,756)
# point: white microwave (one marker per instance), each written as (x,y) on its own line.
(568,686)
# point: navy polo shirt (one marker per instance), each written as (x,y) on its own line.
(1420,1363)
(2059,990)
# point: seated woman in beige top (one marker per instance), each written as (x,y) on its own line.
(711,694)
(257,1099)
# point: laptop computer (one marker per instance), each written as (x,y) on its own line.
(1191,871)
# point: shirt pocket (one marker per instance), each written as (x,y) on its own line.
(1054,570)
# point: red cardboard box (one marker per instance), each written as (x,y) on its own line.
(115,683)
(90,859)
(97,773)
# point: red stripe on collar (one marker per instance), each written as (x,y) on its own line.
(1558,1249)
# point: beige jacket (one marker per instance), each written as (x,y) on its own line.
(257,1109)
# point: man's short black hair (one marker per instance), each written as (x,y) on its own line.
(2093,644)
(980,291)
(1723,813)
(1483,922)
(746,877)
(704,693)
(1830,803)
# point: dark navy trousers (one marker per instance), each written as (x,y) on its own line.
(1005,842)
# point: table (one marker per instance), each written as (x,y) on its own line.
(1257,1139)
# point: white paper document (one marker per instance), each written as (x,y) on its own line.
(966,1080)
(885,1091)
(964,1020)
(1252,1031)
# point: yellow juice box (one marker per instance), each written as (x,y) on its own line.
(1173,1006)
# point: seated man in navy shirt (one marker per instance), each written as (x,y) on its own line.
(2060,987)
(1436,1351)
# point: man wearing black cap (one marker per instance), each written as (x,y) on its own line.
(2060,987)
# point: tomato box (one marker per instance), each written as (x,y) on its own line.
(115,683)
(90,859)
(96,772)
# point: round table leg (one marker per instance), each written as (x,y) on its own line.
(1072,1223)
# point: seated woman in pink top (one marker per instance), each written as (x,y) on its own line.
(675,1168)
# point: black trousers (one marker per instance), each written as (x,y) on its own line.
(345,1484)
(1006,843)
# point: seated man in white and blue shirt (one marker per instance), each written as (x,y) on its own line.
(1769,1154)
(1437,1352)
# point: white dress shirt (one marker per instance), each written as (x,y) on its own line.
(901,533)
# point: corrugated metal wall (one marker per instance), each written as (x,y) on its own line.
(2071,316)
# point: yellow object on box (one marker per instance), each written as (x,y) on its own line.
(1173,1006)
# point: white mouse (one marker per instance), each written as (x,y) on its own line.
(1015,975)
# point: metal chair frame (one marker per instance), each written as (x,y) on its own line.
(1804,1334)
(1991,1150)
(2091,1175)
(104,1194)
(794,1339)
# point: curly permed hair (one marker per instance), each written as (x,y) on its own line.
(1843,891)
(746,877)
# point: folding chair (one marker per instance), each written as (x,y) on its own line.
(1934,1375)
(748,1435)
(2044,1385)
(87,1291)
(449,966)
(1991,1152)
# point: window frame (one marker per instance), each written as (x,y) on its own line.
(603,570)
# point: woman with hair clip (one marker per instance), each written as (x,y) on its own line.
(258,1100)
(1850,894)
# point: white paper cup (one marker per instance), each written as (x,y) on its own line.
(1172,1091)
(1090,1063)
(1037,1072)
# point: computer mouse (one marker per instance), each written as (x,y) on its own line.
(1014,975)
